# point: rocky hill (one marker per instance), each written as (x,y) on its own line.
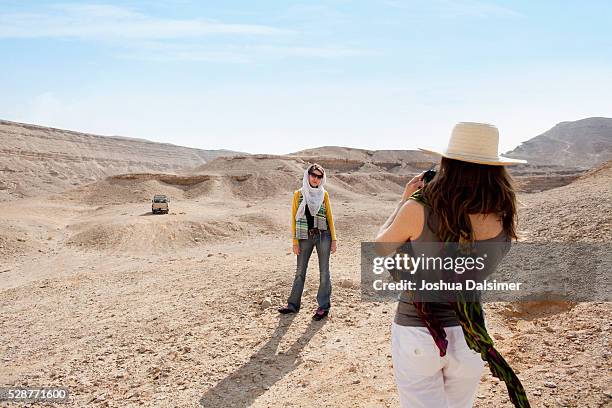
(576,212)
(584,144)
(351,159)
(35,159)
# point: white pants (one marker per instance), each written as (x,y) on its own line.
(426,380)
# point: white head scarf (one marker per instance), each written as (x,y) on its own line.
(312,196)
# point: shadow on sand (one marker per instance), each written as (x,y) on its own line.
(242,387)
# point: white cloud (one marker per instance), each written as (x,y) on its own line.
(96,10)
(134,35)
(111,22)
(455,8)
(321,52)
(164,51)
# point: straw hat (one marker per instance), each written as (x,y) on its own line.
(475,143)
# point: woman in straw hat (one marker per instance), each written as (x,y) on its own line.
(312,225)
(438,348)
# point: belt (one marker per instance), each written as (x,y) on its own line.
(313,232)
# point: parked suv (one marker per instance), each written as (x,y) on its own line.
(159,204)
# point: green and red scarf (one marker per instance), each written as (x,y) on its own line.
(471,318)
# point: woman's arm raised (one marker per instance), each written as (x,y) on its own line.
(405,222)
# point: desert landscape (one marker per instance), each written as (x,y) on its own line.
(130,309)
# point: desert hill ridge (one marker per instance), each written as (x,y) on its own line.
(530,177)
(36,159)
(352,153)
(603,170)
(583,143)
(58,132)
(258,177)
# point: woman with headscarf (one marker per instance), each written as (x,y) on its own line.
(312,225)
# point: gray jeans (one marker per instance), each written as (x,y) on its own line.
(323,244)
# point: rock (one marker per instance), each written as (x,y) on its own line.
(267,302)
(550,384)
(133,394)
(345,283)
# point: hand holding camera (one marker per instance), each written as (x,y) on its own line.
(417,182)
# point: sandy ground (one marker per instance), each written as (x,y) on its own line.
(129,309)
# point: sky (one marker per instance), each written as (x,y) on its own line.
(280,76)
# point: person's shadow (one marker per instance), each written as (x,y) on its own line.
(242,387)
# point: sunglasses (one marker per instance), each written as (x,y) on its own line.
(317,176)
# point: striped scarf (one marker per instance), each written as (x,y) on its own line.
(301,224)
(471,318)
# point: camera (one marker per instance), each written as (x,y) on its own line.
(428,176)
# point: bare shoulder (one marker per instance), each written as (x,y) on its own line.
(412,216)
(413,207)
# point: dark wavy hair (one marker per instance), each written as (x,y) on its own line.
(461,188)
